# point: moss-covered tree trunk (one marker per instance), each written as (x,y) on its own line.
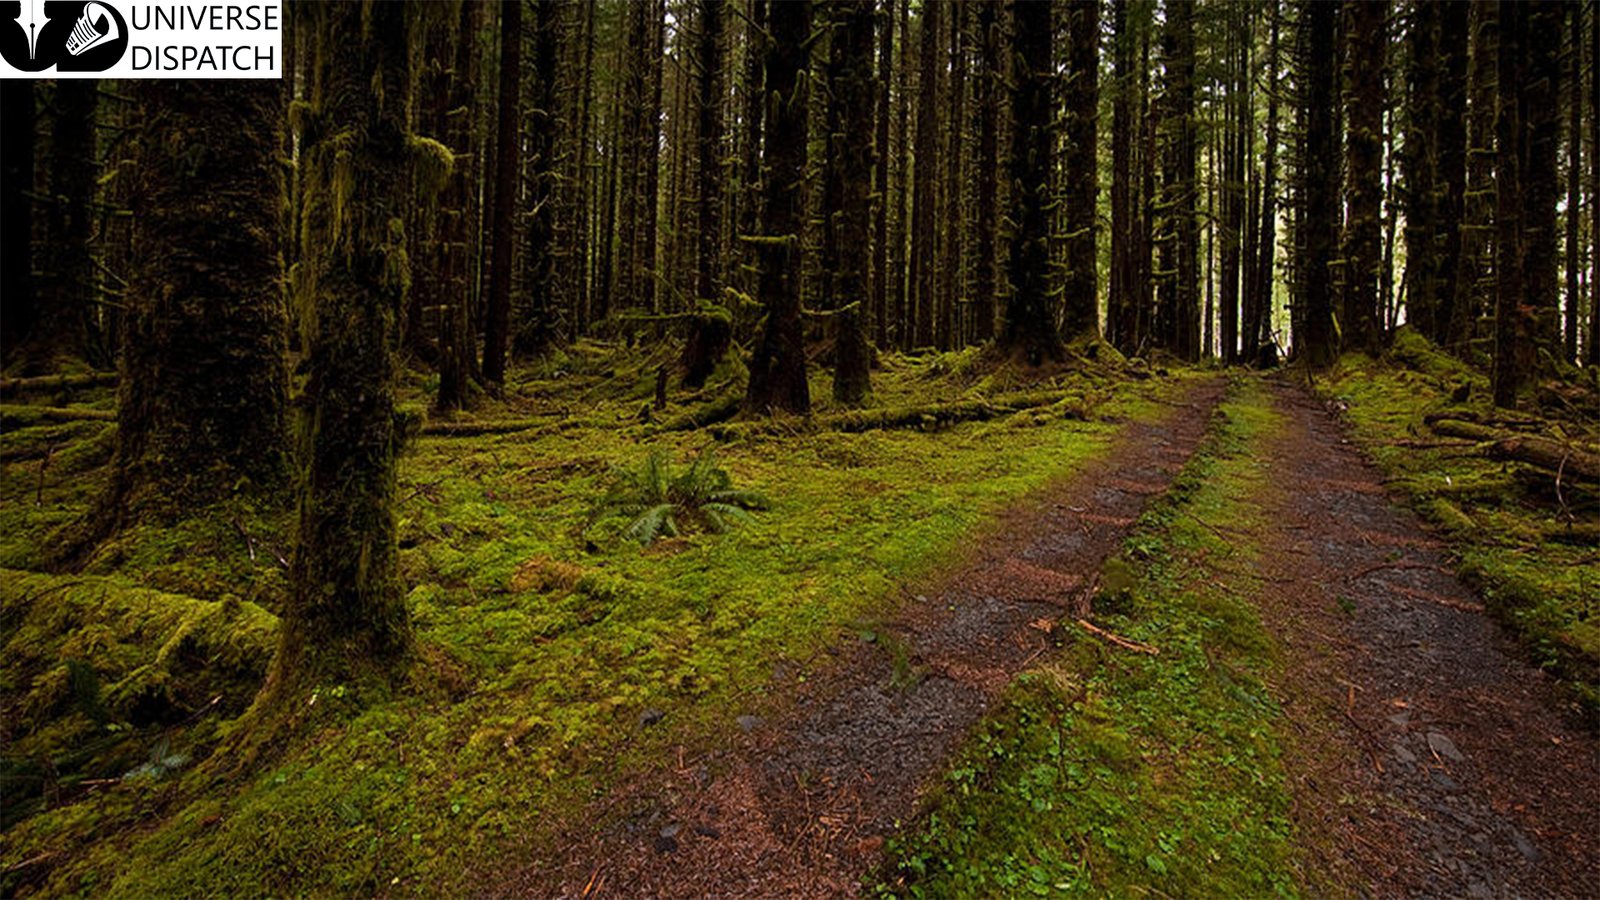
(1573,212)
(1319,162)
(778,368)
(1178,326)
(345,621)
(535,328)
(203,382)
(457,346)
(1475,260)
(1593,353)
(503,229)
(1080,291)
(1510,324)
(1364,63)
(710,329)
(1540,95)
(1451,183)
(1418,165)
(925,184)
(1030,310)
(880,221)
(986,233)
(1257,324)
(849,177)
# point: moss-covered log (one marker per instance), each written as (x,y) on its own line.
(926,415)
(22,416)
(12,387)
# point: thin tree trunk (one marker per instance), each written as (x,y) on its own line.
(1080,289)
(881,193)
(503,229)
(925,183)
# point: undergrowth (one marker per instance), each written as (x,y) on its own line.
(1498,516)
(1107,772)
(576,660)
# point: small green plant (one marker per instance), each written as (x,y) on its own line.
(661,502)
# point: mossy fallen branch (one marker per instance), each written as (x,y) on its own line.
(10,387)
(22,416)
(928,416)
(1548,454)
(488,426)
(719,410)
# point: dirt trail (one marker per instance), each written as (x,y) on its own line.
(801,806)
(1425,757)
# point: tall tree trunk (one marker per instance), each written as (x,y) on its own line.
(925,182)
(881,194)
(1121,301)
(18,303)
(755,97)
(1418,163)
(1318,222)
(710,328)
(1030,316)
(1234,208)
(989,81)
(1179,308)
(900,312)
(778,368)
(203,388)
(457,346)
(1365,27)
(536,330)
(1475,263)
(1593,353)
(1510,326)
(1082,103)
(1258,315)
(1573,212)
(952,243)
(1450,109)
(849,178)
(344,620)
(1540,96)
(503,229)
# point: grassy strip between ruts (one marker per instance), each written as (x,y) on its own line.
(555,645)
(1112,772)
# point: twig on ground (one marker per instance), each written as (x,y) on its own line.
(1120,641)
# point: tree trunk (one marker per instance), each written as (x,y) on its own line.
(1593,353)
(709,331)
(1121,302)
(1364,171)
(1318,224)
(503,229)
(1030,316)
(1510,327)
(1450,108)
(925,183)
(989,81)
(881,194)
(1178,280)
(1574,193)
(849,177)
(778,368)
(1080,289)
(65,291)
(1475,262)
(1417,170)
(1258,305)
(344,620)
(457,347)
(201,411)
(1540,96)
(537,326)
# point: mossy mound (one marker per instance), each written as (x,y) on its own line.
(96,670)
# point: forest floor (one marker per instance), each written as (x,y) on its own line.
(1098,629)
(1383,735)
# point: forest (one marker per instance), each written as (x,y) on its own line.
(913,448)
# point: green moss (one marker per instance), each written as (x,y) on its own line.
(1109,773)
(553,644)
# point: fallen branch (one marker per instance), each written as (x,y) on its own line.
(1550,455)
(488,426)
(1123,642)
(10,387)
(930,415)
(22,416)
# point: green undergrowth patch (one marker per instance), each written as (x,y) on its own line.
(1500,517)
(575,654)
(1110,772)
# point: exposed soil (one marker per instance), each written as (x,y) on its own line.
(1426,758)
(801,805)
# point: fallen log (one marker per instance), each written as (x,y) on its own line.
(1579,534)
(719,410)
(1460,428)
(486,426)
(22,416)
(929,415)
(12,386)
(1552,456)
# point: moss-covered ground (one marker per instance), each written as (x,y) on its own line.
(1502,518)
(1111,772)
(548,640)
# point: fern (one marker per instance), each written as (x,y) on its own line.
(660,501)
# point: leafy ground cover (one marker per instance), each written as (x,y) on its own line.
(1111,771)
(557,650)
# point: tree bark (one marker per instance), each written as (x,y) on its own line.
(1364,167)
(65,290)
(1080,289)
(1510,327)
(778,368)
(1030,315)
(925,183)
(849,178)
(344,620)
(18,303)
(1475,262)
(709,331)
(1318,223)
(503,229)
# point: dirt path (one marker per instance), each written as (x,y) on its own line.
(1426,758)
(802,806)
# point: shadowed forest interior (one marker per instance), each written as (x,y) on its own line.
(774,447)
